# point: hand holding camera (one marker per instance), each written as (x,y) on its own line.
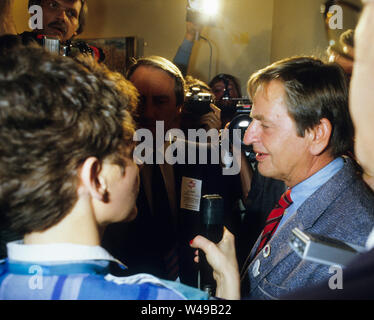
(212,119)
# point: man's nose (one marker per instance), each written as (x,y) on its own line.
(61,14)
(251,134)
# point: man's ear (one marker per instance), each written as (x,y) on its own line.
(319,136)
(90,180)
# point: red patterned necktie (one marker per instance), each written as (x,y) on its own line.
(274,218)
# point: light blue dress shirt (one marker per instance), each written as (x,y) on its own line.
(306,188)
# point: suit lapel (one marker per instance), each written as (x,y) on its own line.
(305,217)
(318,202)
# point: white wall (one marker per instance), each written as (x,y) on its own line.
(241,40)
(298,29)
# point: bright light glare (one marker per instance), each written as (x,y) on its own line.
(210,7)
(244,124)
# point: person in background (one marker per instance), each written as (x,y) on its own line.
(162,95)
(227,92)
(224,86)
(67,171)
(343,52)
(192,118)
(63,19)
(161,88)
(183,55)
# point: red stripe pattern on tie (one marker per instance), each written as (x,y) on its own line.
(274,218)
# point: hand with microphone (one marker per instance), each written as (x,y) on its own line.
(220,256)
(211,227)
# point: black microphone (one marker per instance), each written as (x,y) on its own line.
(211,227)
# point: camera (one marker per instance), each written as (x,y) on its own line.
(69,48)
(198,102)
(241,121)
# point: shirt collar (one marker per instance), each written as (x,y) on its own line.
(57,252)
(306,188)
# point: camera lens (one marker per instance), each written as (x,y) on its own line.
(241,123)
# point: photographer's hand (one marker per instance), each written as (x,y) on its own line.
(212,120)
(191,30)
(222,258)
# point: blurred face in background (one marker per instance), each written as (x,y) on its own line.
(219,89)
(61,18)
(157,98)
(228,107)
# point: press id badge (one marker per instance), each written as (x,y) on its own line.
(191,194)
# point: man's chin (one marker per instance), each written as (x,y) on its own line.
(264,170)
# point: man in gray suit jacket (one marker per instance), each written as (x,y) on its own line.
(302,132)
(358,280)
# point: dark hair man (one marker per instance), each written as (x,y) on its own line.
(158,230)
(301,132)
(161,90)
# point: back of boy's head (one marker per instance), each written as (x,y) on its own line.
(54,114)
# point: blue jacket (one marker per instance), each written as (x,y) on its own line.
(75,272)
(342,208)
